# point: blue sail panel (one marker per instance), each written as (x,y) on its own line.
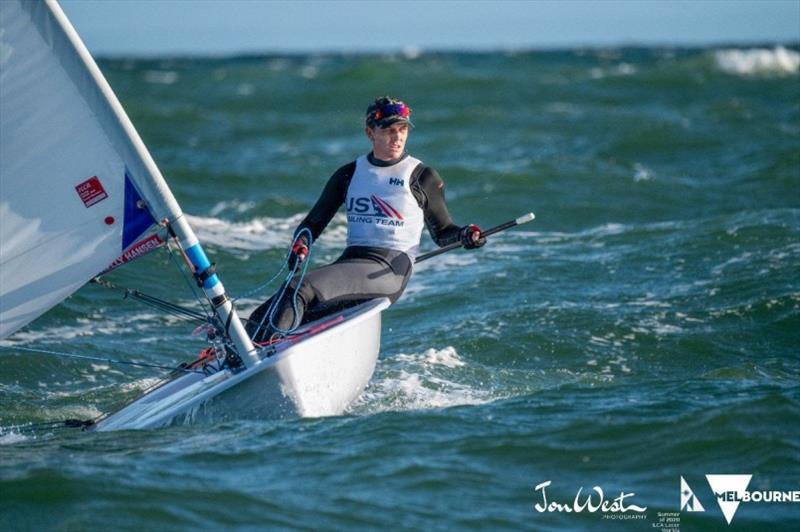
(137,218)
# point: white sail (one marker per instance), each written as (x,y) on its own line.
(72,166)
(78,188)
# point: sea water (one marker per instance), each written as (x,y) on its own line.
(644,328)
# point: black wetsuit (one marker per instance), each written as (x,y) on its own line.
(361,272)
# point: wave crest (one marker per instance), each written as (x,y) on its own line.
(260,233)
(435,378)
(779,60)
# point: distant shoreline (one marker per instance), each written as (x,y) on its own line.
(412,52)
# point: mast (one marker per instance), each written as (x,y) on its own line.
(160,192)
(214,290)
(63,42)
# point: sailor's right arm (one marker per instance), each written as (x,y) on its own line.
(332,197)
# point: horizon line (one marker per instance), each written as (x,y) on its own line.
(413,51)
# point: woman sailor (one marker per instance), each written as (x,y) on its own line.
(389,196)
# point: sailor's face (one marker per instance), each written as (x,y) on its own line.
(388,143)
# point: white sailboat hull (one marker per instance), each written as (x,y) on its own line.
(319,375)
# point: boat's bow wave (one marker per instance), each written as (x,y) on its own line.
(434,378)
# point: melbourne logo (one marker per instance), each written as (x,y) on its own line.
(730,491)
(592,502)
(689,501)
(373,210)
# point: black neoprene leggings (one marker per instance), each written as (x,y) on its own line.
(361,273)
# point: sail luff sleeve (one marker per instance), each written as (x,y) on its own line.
(86,75)
(66,149)
(150,183)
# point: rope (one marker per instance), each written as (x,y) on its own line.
(284,264)
(166,306)
(189,283)
(97,359)
(33,427)
(265,284)
(172,308)
(273,308)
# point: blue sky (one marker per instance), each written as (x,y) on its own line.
(155,27)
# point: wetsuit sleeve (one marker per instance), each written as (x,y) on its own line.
(332,197)
(430,194)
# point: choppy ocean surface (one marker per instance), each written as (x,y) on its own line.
(646,327)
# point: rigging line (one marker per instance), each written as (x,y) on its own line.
(305,264)
(273,308)
(206,309)
(64,423)
(263,285)
(153,301)
(98,359)
(172,308)
(260,287)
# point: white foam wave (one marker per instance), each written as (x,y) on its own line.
(778,60)
(411,52)
(52,334)
(159,77)
(447,261)
(9,436)
(435,378)
(245,89)
(655,326)
(79,412)
(309,72)
(278,64)
(256,234)
(642,173)
(622,69)
(260,233)
(30,431)
(140,384)
(743,259)
(446,357)
(233,205)
(94,326)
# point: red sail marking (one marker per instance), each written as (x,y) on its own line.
(91,191)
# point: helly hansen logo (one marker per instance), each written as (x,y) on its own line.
(396,181)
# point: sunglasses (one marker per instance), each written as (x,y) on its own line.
(392,109)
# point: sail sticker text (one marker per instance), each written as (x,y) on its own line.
(91,191)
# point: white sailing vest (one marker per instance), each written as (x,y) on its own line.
(381,210)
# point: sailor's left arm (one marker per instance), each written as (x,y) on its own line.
(430,187)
